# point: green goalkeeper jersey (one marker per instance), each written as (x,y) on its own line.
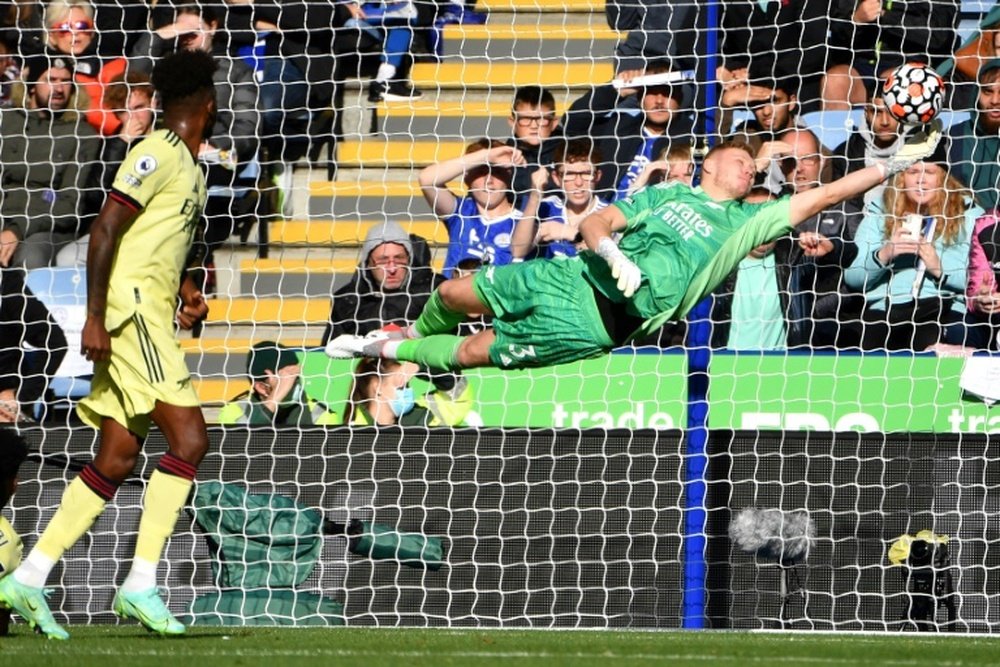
(685,244)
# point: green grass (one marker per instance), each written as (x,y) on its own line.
(111,646)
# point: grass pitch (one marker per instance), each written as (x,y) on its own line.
(128,646)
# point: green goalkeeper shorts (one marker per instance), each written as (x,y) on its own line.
(544,313)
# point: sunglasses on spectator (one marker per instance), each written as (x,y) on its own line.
(525,120)
(67,27)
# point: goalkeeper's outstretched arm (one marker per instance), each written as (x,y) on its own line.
(805,205)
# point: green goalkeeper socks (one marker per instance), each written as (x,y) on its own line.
(436,318)
(434,351)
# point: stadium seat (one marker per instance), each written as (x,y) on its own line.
(832,127)
(63,290)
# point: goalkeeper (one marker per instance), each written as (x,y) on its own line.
(677,244)
(13,451)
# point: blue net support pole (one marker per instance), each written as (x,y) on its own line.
(699,356)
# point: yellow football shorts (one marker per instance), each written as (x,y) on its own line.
(146,366)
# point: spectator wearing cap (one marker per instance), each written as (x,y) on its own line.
(389,287)
(926,220)
(46,154)
(975,143)
(627,137)
(277,396)
(875,140)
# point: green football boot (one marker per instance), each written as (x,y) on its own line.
(147,608)
(30,604)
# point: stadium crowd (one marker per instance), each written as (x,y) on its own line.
(910,265)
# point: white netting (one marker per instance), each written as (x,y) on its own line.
(343,144)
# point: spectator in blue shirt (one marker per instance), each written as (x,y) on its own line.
(481,223)
(552,231)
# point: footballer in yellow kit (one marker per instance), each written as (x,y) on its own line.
(147,363)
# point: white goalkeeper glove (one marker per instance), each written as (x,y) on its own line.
(622,269)
(916,147)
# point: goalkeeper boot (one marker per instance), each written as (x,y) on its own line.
(348,346)
(30,604)
(147,608)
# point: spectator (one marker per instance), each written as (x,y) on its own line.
(975,143)
(750,308)
(553,230)
(23,29)
(277,396)
(233,142)
(774,104)
(481,223)
(628,141)
(393,22)
(381,396)
(772,40)
(656,29)
(870,38)
(536,133)
(387,288)
(879,137)
(675,163)
(131,99)
(70,33)
(13,451)
(905,311)
(983,291)
(10,71)
(24,374)
(46,153)
(818,251)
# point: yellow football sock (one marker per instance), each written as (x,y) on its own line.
(78,510)
(165,497)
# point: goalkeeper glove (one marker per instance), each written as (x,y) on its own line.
(915,148)
(622,269)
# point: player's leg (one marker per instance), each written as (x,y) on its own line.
(451,353)
(167,492)
(82,502)
(451,304)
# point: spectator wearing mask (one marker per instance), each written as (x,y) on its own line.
(382,396)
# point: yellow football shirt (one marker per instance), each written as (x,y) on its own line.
(10,548)
(160,178)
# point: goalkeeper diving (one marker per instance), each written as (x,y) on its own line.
(676,244)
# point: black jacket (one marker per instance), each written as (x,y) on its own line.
(812,293)
(617,132)
(25,319)
(360,307)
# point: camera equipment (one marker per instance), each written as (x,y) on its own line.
(927,577)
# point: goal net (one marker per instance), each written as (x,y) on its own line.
(810,448)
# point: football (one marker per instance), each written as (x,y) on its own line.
(913,94)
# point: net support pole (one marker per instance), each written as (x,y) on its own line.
(699,356)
